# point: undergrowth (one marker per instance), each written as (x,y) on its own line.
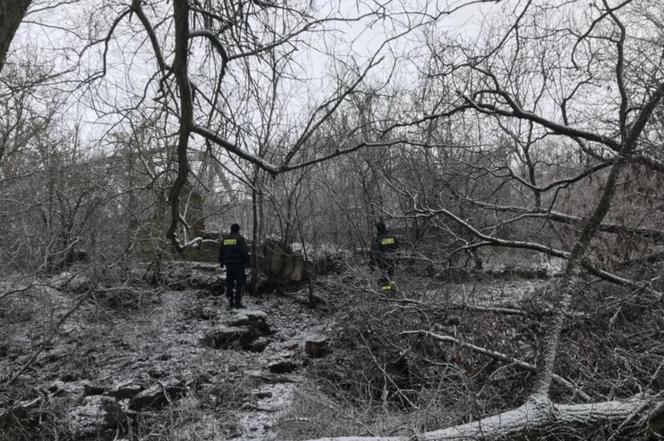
(383,379)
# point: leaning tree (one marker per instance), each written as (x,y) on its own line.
(566,99)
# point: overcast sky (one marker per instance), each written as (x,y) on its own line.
(57,35)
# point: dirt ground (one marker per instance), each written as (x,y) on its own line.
(174,363)
(222,392)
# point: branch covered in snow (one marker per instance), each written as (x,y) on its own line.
(197,241)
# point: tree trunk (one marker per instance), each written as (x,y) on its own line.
(180,64)
(256,201)
(11,15)
(531,418)
(569,284)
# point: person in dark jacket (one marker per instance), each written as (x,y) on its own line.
(383,255)
(234,254)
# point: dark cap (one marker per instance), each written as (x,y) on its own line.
(235,228)
(380,226)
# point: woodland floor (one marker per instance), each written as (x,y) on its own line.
(230,393)
(262,392)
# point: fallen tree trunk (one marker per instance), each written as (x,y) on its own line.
(530,418)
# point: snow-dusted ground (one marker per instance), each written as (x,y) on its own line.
(230,392)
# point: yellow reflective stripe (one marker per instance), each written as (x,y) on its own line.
(387,288)
(230,241)
(388,241)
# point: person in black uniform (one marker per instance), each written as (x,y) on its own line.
(234,254)
(383,255)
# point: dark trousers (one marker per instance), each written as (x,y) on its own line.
(234,283)
(386,264)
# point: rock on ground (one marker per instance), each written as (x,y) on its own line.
(158,394)
(247,330)
(316,346)
(97,414)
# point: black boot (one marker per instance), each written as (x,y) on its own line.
(238,297)
(238,302)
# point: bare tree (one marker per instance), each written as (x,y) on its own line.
(561,102)
(531,97)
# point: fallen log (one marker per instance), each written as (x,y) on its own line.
(536,415)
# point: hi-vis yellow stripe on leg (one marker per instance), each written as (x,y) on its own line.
(387,241)
(230,241)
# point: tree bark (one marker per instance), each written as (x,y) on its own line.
(256,218)
(531,418)
(569,283)
(11,15)
(180,63)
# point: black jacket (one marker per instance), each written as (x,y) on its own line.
(383,249)
(384,242)
(233,250)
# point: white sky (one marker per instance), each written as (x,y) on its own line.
(58,34)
